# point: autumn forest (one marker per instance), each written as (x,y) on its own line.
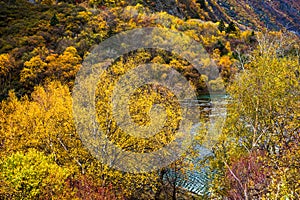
(240,60)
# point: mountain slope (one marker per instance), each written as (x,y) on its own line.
(275,14)
(253,14)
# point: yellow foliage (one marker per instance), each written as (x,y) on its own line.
(5,64)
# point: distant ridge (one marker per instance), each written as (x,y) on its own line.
(247,14)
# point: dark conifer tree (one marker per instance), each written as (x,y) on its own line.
(221,26)
(231,28)
(54,20)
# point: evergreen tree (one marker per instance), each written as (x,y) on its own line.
(221,26)
(231,28)
(202,4)
(54,20)
(219,45)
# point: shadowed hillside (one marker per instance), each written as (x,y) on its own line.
(254,14)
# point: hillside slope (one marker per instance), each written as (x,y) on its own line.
(254,14)
(275,14)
